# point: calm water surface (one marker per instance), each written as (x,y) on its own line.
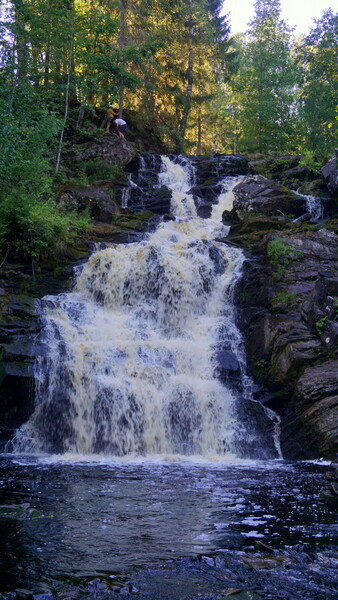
(65,521)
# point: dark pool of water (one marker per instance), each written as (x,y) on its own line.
(157,530)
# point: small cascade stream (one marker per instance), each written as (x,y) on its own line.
(314,206)
(143,357)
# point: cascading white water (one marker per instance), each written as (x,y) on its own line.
(314,206)
(179,179)
(132,365)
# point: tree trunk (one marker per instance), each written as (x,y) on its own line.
(199,134)
(70,70)
(20,40)
(122,43)
(188,95)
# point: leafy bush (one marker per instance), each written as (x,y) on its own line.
(34,229)
(309,161)
(98,169)
(31,224)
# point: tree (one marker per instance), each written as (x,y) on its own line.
(266,82)
(318,57)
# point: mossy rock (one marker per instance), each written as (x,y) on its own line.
(332,225)
(314,188)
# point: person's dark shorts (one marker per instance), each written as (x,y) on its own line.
(123,128)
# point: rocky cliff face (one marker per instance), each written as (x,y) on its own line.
(289,313)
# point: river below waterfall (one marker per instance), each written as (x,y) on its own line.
(146,471)
(166,530)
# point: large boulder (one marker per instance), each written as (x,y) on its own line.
(330,174)
(98,201)
(276,166)
(210,169)
(311,422)
(157,200)
(257,194)
(111,148)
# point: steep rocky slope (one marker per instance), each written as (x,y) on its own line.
(288,301)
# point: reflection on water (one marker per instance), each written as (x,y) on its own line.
(62,520)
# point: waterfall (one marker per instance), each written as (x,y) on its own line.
(179,178)
(314,206)
(143,356)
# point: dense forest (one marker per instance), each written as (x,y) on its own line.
(178,76)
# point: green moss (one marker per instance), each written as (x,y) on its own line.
(244,295)
(279,252)
(261,365)
(284,298)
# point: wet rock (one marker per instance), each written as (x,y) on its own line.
(258,194)
(331,492)
(258,563)
(68,594)
(145,164)
(330,174)
(19,511)
(228,365)
(286,339)
(206,192)
(43,596)
(156,200)
(210,169)
(319,308)
(23,594)
(313,413)
(261,546)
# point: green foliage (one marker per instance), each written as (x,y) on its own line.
(265,83)
(309,161)
(320,325)
(99,169)
(261,365)
(24,138)
(317,56)
(284,298)
(31,225)
(33,229)
(281,253)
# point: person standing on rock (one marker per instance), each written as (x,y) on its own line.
(120,127)
(109,118)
